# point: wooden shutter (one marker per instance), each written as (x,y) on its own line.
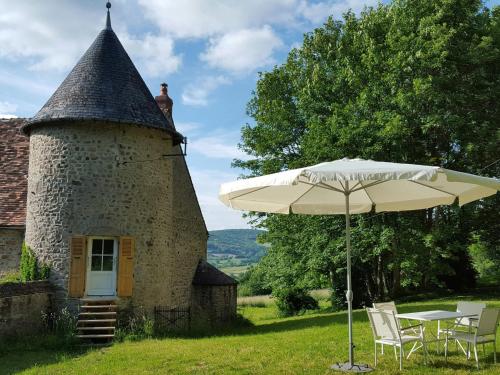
(78,267)
(126,267)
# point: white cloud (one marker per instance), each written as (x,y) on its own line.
(7,107)
(154,55)
(44,35)
(243,50)
(217,147)
(198,93)
(7,110)
(216,214)
(202,18)
(187,127)
(51,35)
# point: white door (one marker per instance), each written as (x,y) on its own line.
(101,266)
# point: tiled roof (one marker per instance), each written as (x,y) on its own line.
(206,274)
(14,153)
(104,85)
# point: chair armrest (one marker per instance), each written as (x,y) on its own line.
(413,326)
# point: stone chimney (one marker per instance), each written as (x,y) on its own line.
(164,101)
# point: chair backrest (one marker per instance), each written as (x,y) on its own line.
(488,321)
(384,324)
(469,308)
(387,306)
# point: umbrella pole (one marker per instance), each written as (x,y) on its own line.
(349,366)
(349,286)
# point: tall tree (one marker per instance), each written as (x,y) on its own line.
(413,81)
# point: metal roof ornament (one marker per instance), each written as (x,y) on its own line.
(108,18)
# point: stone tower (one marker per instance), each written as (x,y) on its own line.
(106,209)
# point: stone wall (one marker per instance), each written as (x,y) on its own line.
(213,305)
(105,179)
(11,241)
(189,234)
(21,307)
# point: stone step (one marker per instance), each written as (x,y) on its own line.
(99,307)
(95,328)
(98,301)
(97,321)
(97,313)
(103,336)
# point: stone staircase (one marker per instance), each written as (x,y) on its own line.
(97,321)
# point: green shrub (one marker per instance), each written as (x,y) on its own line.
(294,301)
(61,326)
(253,282)
(29,268)
(485,258)
(134,326)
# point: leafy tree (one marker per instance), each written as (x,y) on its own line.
(254,282)
(413,81)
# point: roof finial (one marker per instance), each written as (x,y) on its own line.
(108,18)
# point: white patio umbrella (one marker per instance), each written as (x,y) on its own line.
(353,186)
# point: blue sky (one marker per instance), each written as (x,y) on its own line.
(209,52)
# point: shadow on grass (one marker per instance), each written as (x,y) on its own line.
(315,320)
(323,318)
(18,354)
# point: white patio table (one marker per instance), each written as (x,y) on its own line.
(430,316)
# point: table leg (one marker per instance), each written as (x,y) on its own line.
(438,336)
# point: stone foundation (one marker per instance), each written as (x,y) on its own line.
(22,306)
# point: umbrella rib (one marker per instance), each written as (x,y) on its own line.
(367,194)
(341,184)
(369,185)
(357,183)
(432,187)
(248,192)
(324,186)
(301,195)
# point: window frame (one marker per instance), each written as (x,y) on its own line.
(114,254)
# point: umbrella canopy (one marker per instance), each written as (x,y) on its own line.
(353,186)
(320,189)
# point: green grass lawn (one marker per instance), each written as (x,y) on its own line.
(307,344)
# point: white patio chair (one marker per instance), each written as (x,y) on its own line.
(391,306)
(386,331)
(463,324)
(485,332)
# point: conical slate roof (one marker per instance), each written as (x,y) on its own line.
(104,85)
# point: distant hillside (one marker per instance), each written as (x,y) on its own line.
(233,250)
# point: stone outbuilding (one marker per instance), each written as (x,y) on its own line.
(111,207)
(213,299)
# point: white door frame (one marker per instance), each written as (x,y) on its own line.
(106,278)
